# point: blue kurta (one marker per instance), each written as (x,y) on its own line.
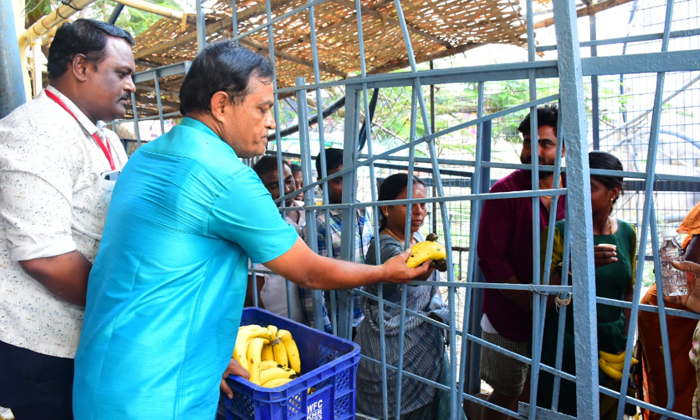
(166,292)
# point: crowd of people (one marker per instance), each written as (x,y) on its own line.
(188,235)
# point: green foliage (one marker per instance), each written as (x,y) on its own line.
(133,20)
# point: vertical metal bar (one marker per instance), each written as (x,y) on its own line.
(234,19)
(455,407)
(348,219)
(11,80)
(319,107)
(160,103)
(474,232)
(595,105)
(136,120)
(534,141)
(201,26)
(670,388)
(648,211)
(564,281)
(579,205)
(407,242)
(377,247)
(478,294)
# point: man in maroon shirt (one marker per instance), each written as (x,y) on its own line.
(505,256)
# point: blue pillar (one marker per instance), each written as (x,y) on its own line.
(11,81)
(578,207)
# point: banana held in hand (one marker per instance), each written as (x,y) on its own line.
(292,350)
(426,250)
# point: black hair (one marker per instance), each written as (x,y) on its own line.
(84,36)
(547,115)
(334,158)
(605,160)
(221,67)
(267,164)
(296,168)
(391,188)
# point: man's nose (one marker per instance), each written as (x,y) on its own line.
(129,84)
(270,123)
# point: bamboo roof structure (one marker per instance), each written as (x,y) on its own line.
(437,28)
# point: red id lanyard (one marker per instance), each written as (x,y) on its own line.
(106,150)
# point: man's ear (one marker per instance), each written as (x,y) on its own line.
(563,150)
(79,67)
(218,103)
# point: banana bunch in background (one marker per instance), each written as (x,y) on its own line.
(612,364)
(268,354)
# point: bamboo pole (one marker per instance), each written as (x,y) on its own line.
(48,22)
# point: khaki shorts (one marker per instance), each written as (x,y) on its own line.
(504,374)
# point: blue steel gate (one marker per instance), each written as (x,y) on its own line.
(569,69)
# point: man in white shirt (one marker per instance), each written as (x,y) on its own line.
(58,166)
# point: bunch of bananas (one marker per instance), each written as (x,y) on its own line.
(612,364)
(427,250)
(268,354)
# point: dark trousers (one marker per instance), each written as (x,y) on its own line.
(35,386)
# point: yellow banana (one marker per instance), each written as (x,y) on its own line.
(609,357)
(292,350)
(280,352)
(245,334)
(268,364)
(254,358)
(267,354)
(609,370)
(426,250)
(274,373)
(616,366)
(274,383)
(272,331)
(619,366)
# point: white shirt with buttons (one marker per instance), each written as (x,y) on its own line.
(53,200)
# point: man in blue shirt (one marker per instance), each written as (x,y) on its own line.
(166,291)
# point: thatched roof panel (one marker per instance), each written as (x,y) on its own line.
(436,28)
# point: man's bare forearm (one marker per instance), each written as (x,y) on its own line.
(65,275)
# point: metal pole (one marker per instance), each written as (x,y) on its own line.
(115,13)
(579,207)
(11,81)
(595,106)
(201,27)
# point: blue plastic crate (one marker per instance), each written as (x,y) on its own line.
(329,365)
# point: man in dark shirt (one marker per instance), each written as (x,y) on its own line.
(505,256)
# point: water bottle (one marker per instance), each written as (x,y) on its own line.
(673,280)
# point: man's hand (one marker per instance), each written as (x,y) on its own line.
(396,270)
(692,299)
(234,368)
